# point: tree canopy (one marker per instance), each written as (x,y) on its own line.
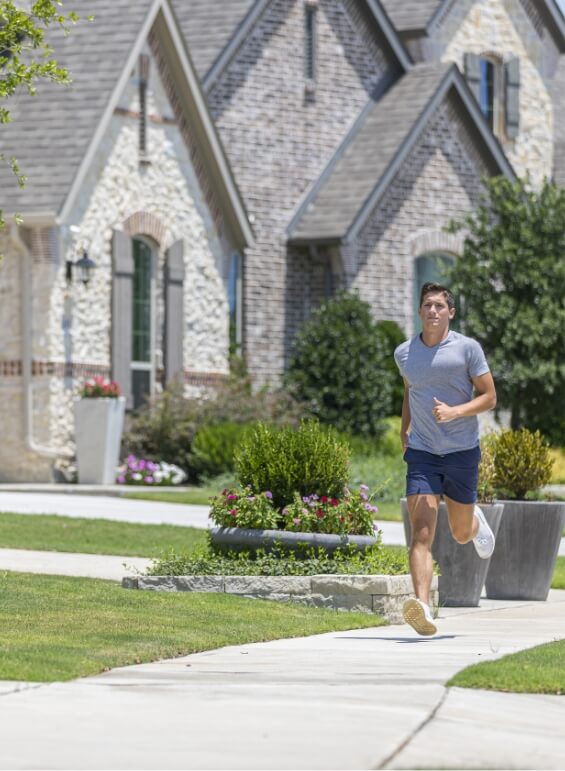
(511,278)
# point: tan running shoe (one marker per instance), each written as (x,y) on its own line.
(418,615)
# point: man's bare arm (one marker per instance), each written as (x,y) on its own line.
(484,400)
(406,417)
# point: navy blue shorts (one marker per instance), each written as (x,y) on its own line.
(455,474)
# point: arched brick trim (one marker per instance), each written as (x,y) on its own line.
(435,241)
(143,223)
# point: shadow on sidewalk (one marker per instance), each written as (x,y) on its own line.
(404,640)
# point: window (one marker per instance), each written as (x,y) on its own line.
(487,91)
(143,66)
(142,322)
(310,42)
(430,267)
(235,303)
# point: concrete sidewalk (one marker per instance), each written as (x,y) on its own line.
(370,698)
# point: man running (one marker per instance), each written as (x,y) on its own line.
(440,438)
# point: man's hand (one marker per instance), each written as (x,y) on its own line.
(443,413)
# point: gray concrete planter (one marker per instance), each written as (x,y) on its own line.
(98,434)
(526,550)
(243,539)
(463,572)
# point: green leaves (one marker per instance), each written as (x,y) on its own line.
(511,277)
(341,366)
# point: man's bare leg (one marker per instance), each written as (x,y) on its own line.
(468,523)
(423,510)
(463,523)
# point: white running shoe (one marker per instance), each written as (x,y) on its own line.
(484,540)
(418,615)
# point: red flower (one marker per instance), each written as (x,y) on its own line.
(324,499)
(319,513)
(334,502)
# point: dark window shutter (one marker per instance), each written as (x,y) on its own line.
(122,285)
(174,311)
(512,97)
(472,64)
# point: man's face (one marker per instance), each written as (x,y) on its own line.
(435,313)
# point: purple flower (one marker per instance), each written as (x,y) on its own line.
(305,499)
(131,459)
(141,465)
(250,497)
(268,494)
(121,480)
(149,480)
(376,528)
(363,488)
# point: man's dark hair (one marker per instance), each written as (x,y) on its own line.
(431,287)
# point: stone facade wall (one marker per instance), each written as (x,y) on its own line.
(439,180)
(71,322)
(279,138)
(384,595)
(509,29)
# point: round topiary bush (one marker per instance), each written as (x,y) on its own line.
(307,460)
(339,365)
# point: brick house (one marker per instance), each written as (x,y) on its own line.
(229,165)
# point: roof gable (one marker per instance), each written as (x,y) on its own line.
(339,207)
(56,134)
(420,16)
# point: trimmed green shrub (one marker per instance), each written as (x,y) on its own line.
(165,428)
(522,463)
(392,336)
(340,366)
(380,560)
(282,461)
(214,446)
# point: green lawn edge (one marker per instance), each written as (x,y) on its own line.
(56,628)
(536,670)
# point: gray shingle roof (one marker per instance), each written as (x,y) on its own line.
(208,26)
(366,158)
(50,132)
(410,14)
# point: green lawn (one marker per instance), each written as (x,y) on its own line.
(197,495)
(536,670)
(559,574)
(48,532)
(58,628)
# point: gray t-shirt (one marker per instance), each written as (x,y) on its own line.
(444,371)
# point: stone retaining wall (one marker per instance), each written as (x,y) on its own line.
(384,595)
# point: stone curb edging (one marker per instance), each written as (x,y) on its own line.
(380,594)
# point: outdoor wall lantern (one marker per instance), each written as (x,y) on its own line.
(84,266)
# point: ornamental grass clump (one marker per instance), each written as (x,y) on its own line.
(522,463)
(308,460)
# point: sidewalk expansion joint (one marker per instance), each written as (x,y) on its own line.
(385,763)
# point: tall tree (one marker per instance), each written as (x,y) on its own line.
(25,56)
(511,277)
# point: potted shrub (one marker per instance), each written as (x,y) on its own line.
(99,420)
(292,493)
(528,541)
(462,572)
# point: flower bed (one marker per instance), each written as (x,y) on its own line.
(243,508)
(139,471)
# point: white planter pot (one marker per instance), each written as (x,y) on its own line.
(98,434)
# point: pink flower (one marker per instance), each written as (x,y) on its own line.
(232,497)
(233,512)
(297,520)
